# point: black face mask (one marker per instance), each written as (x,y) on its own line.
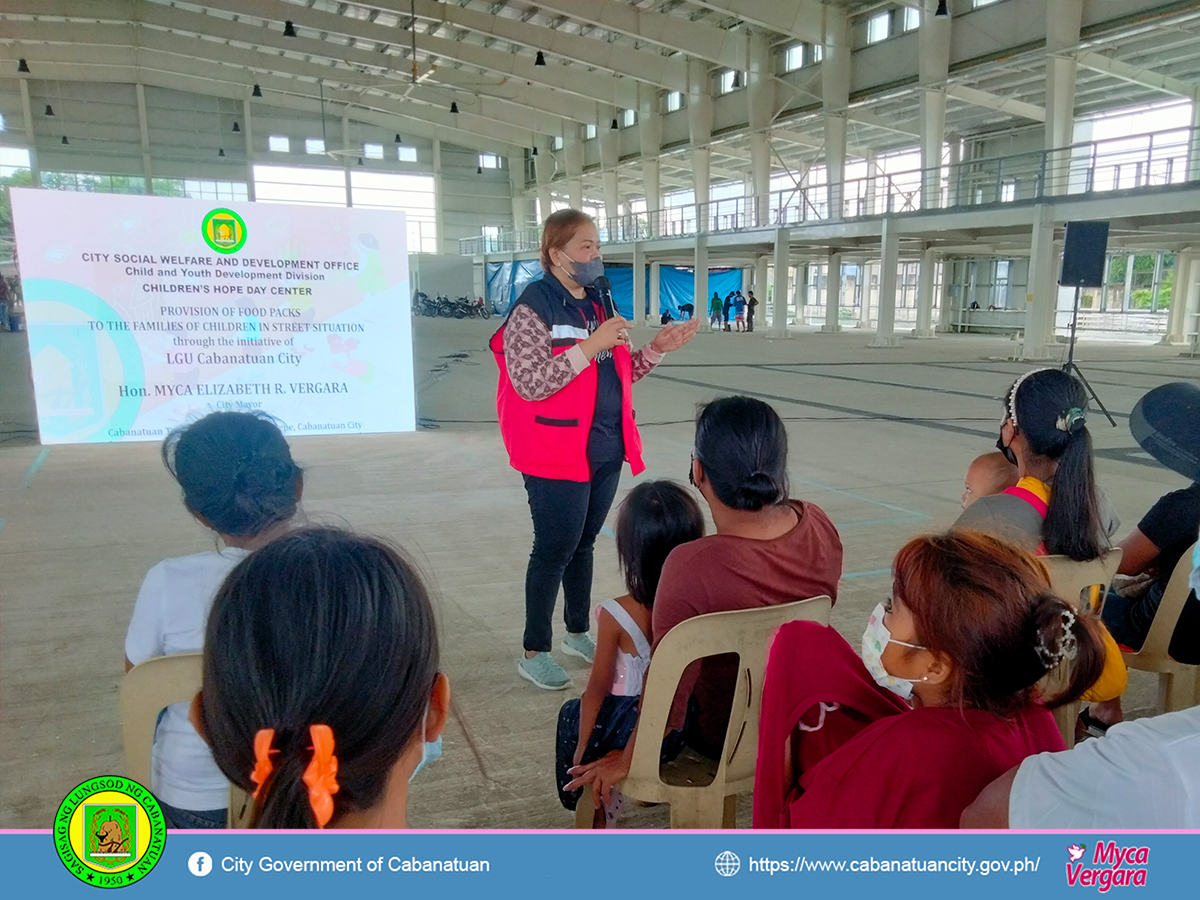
(1007,451)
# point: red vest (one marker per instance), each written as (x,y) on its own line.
(548,438)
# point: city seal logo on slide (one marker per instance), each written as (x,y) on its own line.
(224,231)
(109,832)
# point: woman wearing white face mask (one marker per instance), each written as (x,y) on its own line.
(970,629)
(565,404)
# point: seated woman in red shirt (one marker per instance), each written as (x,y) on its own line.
(969,631)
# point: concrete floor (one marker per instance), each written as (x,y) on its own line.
(879,438)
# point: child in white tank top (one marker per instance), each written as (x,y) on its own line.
(655,518)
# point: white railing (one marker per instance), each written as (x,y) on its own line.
(1127,163)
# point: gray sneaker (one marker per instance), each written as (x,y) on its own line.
(544,672)
(580,645)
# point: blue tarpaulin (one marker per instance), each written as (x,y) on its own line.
(676,286)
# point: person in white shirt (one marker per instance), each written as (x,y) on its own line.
(239,480)
(1142,774)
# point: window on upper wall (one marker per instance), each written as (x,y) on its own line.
(2,126)
(818,52)
(975,4)
(406,154)
(277,143)
(879,27)
(311,145)
(674,101)
(489,161)
(911,20)
(731,80)
(556,142)
(589,132)
(793,58)
(629,118)
(373,151)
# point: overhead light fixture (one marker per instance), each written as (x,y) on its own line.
(22,66)
(64,140)
(257,92)
(479,170)
(540,60)
(737,80)
(360,162)
(533,152)
(49,110)
(237,129)
(221,152)
(289,30)
(943,9)
(614,126)
(454,107)
(398,141)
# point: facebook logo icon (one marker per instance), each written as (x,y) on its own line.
(200,864)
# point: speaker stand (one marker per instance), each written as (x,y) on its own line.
(1071,368)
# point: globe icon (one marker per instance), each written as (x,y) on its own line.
(728,863)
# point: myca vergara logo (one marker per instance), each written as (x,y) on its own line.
(109,832)
(1110,866)
(224,231)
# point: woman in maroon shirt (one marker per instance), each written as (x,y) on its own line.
(969,631)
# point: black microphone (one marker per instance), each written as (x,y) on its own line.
(604,287)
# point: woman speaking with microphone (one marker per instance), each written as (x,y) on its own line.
(566,416)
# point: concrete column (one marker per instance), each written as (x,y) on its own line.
(1063,19)
(835,95)
(650,137)
(1042,299)
(701,272)
(889,253)
(1180,290)
(144,128)
(437,178)
(760,96)
(872,183)
(655,312)
(760,282)
(933,65)
(946,313)
(573,159)
(1193,170)
(760,164)
(543,170)
(248,137)
(864,308)
(700,175)
(700,121)
(833,293)
(925,281)
(516,185)
(639,283)
(779,289)
(1129,260)
(35,171)
(610,151)
(953,171)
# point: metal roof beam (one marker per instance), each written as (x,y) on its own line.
(1098,62)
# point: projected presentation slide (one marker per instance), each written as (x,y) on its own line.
(146,312)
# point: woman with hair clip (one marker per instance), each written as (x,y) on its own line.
(1055,507)
(321,692)
(565,404)
(943,700)
(769,549)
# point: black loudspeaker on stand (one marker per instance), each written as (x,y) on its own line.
(1083,266)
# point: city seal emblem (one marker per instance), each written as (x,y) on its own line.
(224,231)
(109,832)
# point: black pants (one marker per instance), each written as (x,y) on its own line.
(1128,621)
(614,727)
(567,516)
